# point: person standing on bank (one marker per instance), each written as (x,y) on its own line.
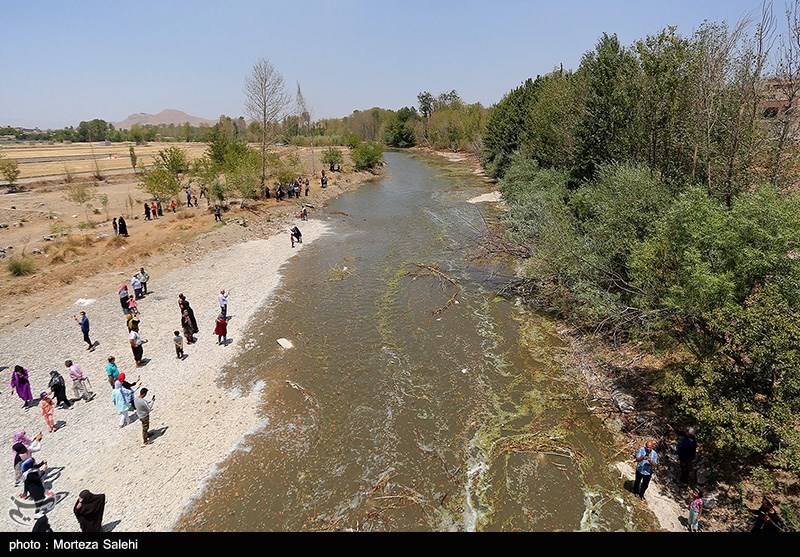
(89,509)
(183,303)
(84,325)
(137,287)
(143,409)
(114,224)
(647,461)
(112,371)
(21,385)
(123,297)
(79,381)
(143,278)
(123,226)
(687,451)
(217,213)
(136,342)
(223,302)
(221,330)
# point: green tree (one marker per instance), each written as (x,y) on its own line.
(132,154)
(103,198)
(366,155)
(332,156)
(606,133)
(9,168)
(82,195)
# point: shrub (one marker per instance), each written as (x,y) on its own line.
(367,155)
(332,156)
(21,266)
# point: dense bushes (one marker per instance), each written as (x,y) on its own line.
(366,155)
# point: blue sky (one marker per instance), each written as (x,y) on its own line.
(71,60)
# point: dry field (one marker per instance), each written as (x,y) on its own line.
(115,157)
(86,262)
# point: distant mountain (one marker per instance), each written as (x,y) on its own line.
(168,116)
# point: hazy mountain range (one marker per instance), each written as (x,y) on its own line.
(168,116)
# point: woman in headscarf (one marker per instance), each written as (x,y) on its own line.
(34,488)
(121,379)
(89,510)
(21,384)
(183,303)
(186,324)
(21,448)
(59,388)
(123,226)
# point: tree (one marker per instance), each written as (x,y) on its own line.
(332,156)
(103,198)
(367,155)
(82,195)
(93,130)
(399,131)
(9,168)
(133,157)
(265,101)
(164,179)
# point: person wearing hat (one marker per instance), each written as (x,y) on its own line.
(112,370)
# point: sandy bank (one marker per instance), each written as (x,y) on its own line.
(146,486)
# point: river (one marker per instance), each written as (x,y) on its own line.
(398,409)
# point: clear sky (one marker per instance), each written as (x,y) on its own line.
(63,61)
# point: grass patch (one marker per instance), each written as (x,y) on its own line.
(21,266)
(116,241)
(186,215)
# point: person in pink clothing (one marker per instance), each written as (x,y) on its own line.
(47,405)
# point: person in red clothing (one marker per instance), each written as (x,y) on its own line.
(221,330)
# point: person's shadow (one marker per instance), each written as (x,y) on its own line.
(51,475)
(60,424)
(156,433)
(110,526)
(227,341)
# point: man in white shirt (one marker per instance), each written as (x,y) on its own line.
(136,345)
(143,409)
(223,302)
(143,277)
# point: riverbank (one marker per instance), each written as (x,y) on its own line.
(196,421)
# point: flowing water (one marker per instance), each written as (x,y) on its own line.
(392,415)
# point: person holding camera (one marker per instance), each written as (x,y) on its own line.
(647,460)
(143,409)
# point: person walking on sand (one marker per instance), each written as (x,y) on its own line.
(177,340)
(47,405)
(122,397)
(221,330)
(22,385)
(143,409)
(114,224)
(223,302)
(79,382)
(89,509)
(647,460)
(136,342)
(146,211)
(217,213)
(183,303)
(123,226)
(112,371)
(59,389)
(143,278)
(695,510)
(83,322)
(296,235)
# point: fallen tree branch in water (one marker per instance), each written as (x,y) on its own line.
(442,279)
(306,395)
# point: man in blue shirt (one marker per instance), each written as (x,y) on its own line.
(84,324)
(647,460)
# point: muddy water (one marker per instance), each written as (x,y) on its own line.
(391,415)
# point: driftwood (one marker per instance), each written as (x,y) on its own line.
(443,279)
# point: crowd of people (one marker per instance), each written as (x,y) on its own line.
(131,400)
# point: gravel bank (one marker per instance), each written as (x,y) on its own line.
(146,487)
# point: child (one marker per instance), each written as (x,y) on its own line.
(695,510)
(221,330)
(46,404)
(134,311)
(178,340)
(172,205)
